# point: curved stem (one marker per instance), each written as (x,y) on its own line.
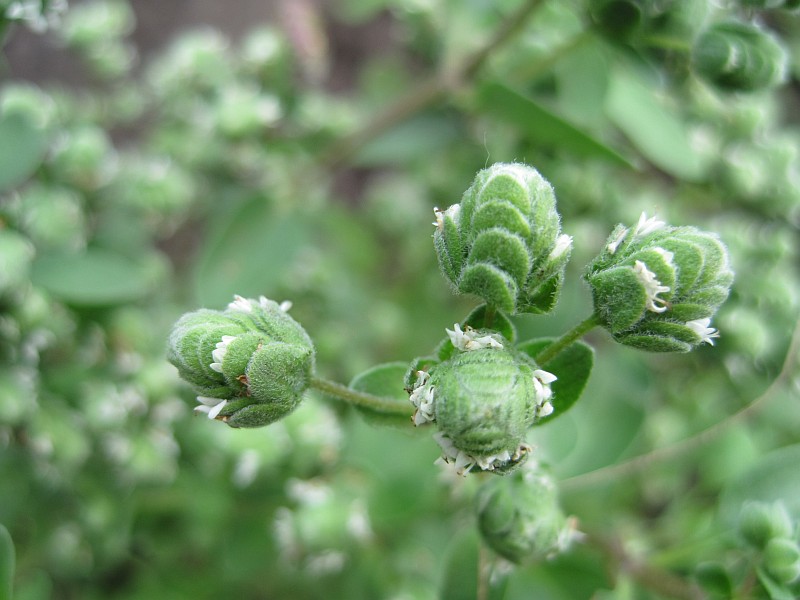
(698,440)
(379,404)
(554,349)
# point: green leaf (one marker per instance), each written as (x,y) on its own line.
(543,126)
(774,477)
(249,253)
(460,577)
(95,277)
(657,131)
(572,366)
(22,148)
(7,560)
(385,380)
(776,591)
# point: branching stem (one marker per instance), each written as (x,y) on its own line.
(388,406)
(554,349)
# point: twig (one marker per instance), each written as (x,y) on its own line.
(388,406)
(696,441)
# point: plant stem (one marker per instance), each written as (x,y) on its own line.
(698,440)
(379,404)
(554,349)
(430,91)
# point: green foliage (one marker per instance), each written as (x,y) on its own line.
(303,160)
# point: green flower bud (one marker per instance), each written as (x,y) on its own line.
(656,287)
(483,399)
(618,19)
(520,519)
(739,56)
(503,241)
(250,364)
(782,560)
(760,522)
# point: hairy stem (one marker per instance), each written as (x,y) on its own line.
(379,404)
(668,453)
(429,91)
(554,349)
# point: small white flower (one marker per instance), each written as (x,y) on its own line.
(652,287)
(453,212)
(646,226)
(220,351)
(439,222)
(422,399)
(614,244)
(702,329)
(285,306)
(542,392)
(470,340)
(563,244)
(210,406)
(241,304)
(464,463)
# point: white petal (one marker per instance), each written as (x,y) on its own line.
(212,414)
(205,400)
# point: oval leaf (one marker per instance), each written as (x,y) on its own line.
(22,148)
(386,381)
(572,366)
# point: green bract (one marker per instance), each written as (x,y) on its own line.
(503,241)
(483,399)
(250,364)
(656,287)
(760,522)
(739,56)
(520,519)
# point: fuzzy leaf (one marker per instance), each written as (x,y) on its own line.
(384,380)
(572,366)
(490,283)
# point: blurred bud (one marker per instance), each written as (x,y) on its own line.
(196,60)
(483,399)
(28,100)
(153,184)
(83,156)
(250,364)
(760,522)
(16,255)
(503,242)
(739,56)
(243,111)
(656,287)
(53,217)
(782,560)
(91,23)
(520,519)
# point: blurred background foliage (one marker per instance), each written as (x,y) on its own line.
(149,171)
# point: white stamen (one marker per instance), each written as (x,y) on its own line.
(470,340)
(542,392)
(652,287)
(613,245)
(422,398)
(439,222)
(563,244)
(464,462)
(241,304)
(646,226)
(702,329)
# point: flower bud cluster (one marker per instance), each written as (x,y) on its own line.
(519,517)
(250,363)
(739,56)
(483,399)
(656,287)
(503,241)
(769,528)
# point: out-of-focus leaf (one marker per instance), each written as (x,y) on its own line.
(22,148)
(774,477)
(582,79)
(384,380)
(775,590)
(96,277)
(460,578)
(249,253)
(658,132)
(7,560)
(542,125)
(572,367)
(412,140)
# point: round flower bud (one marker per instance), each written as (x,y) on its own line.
(782,560)
(503,242)
(739,56)
(760,522)
(249,364)
(520,519)
(656,287)
(483,399)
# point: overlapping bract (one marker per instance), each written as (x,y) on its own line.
(656,287)
(249,364)
(739,56)
(503,242)
(519,517)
